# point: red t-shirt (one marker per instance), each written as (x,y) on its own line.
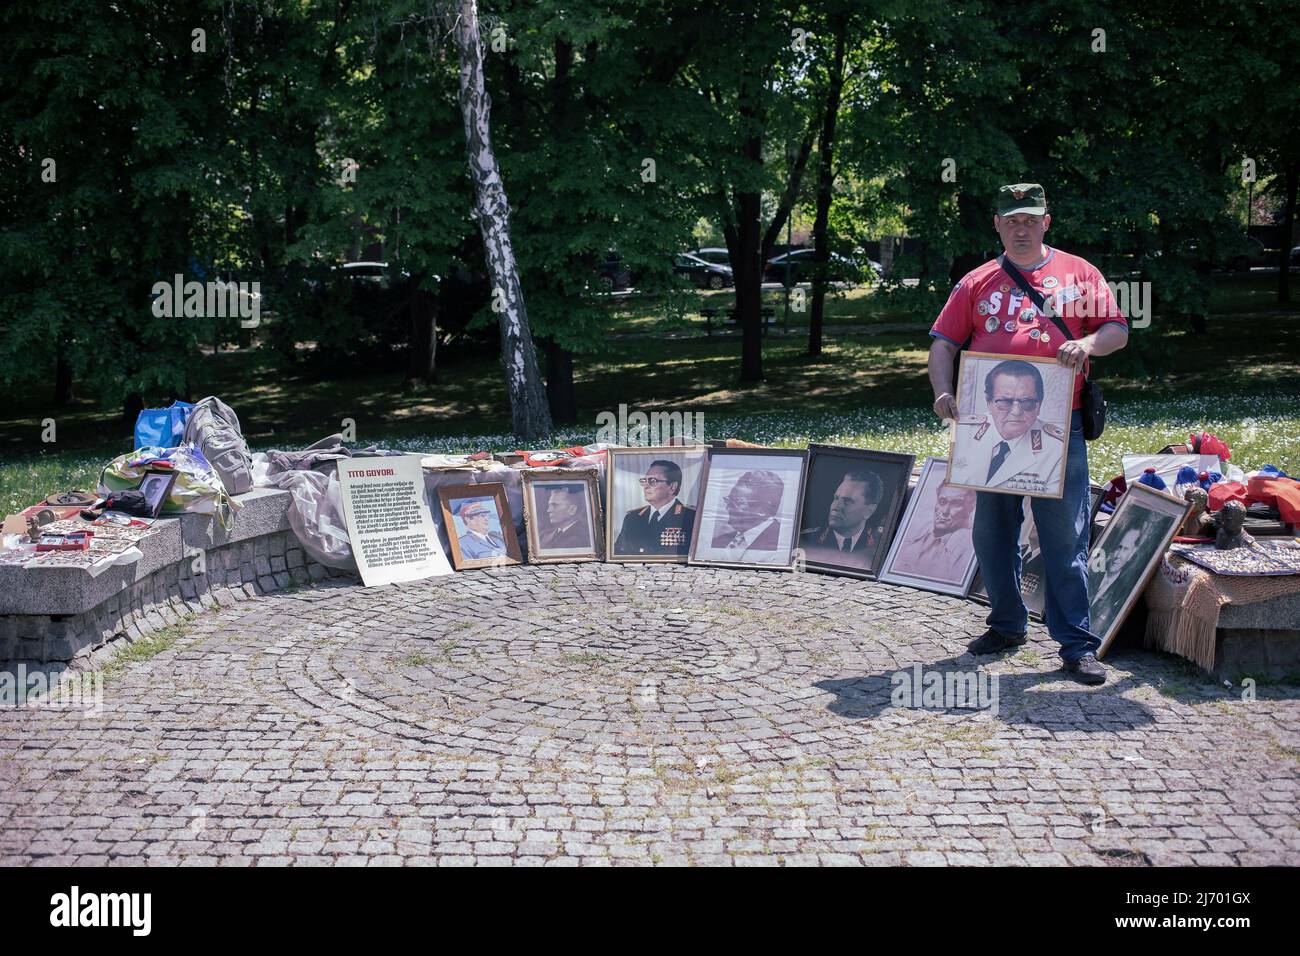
(987,308)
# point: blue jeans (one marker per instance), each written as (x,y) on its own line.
(1063,534)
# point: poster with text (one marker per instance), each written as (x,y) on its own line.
(389,522)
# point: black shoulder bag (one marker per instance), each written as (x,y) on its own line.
(1093,403)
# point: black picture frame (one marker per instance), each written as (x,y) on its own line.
(1155,516)
(156,486)
(893,469)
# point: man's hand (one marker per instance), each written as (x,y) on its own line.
(1074,353)
(945,406)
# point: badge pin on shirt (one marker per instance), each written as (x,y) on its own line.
(991,324)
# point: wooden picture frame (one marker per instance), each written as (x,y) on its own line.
(731,466)
(1113,590)
(580,541)
(628,503)
(475,553)
(903,562)
(1034,460)
(817,537)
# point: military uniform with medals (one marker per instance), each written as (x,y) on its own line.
(644,532)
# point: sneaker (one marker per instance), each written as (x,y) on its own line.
(993,641)
(1086,670)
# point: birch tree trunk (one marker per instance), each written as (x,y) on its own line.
(530,416)
(825,188)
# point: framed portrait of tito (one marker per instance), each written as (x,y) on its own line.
(851,501)
(479,525)
(562,515)
(651,499)
(933,549)
(1013,425)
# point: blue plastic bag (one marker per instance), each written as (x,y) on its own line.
(162,427)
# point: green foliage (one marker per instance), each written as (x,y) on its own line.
(233,161)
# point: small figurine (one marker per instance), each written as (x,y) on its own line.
(1231,520)
(1193,524)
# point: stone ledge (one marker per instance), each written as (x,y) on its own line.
(62,591)
(1270,653)
(62,618)
(1279,613)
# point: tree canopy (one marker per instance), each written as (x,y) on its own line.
(270,140)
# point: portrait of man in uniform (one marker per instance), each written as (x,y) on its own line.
(478,525)
(750,507)
(933,548)
(852,499)
(1015,443)
(663,524)
(478,539)
(561,513)
(566,524)
(652,502)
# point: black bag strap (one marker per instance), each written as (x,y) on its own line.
(1034,295)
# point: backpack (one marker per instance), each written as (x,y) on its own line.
(214,427)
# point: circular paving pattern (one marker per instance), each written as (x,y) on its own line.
(653,655)
(642,713)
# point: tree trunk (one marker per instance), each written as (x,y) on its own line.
(1288,226)
(560,389)
(423,308)
(744,245)
(62,376)
(132,406)
(744,242)
(530,417)
(825,183)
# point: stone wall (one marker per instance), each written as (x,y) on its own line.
(86,617)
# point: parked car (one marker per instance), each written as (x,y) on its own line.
(801,262)
(1252,256)
(717,255)
(612,275)
(1295,256)
(705,275)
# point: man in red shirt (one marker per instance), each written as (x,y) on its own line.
(986,312)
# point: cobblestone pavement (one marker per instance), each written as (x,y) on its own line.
(634,714)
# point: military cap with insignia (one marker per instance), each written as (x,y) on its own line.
(1027,198)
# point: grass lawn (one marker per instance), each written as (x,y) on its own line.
(1240,380)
